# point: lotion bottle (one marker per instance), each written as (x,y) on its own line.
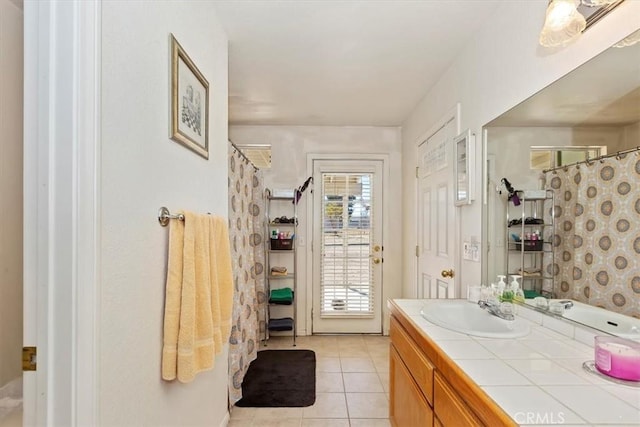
(518,293)
(514,287)
(499,287)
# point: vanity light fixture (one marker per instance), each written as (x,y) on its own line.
(565,20)
(563,23)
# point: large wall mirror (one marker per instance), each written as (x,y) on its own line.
(569,224)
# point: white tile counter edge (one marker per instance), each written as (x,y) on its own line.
(555,390)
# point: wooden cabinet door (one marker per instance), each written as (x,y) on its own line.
(450,408)
(408,407)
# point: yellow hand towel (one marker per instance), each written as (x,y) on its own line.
(173,295)
(222,281)
(195,337)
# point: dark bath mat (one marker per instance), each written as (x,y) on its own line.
(280,378)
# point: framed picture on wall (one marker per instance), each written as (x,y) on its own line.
(463,146)
(189,102)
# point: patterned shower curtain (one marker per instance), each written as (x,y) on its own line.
(246,232)
(597,233)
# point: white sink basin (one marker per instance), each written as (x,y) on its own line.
(468,318)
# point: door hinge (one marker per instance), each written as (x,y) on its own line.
(29,356)
(417,171)
(417,250)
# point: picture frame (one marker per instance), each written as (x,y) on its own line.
(189,102)
(464,155)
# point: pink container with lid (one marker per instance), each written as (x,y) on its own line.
(618,358)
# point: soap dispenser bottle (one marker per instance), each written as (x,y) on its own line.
(518,293)
(507,294)
(500,286)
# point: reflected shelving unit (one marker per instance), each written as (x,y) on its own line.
(529,236)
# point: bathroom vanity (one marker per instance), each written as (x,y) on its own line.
(439,377)
(427,388)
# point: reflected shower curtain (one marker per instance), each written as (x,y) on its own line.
(246,232)
(597,233)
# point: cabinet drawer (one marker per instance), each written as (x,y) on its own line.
(450,409)
(417,363)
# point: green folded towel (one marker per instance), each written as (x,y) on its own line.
(281,295)
(528,294)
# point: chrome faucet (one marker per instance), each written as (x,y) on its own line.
(496,310)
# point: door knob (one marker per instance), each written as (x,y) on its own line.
(447,273)
(376,248)
(377,260)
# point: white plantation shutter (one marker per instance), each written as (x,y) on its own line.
(346,275)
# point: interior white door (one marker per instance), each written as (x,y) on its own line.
(347,246)
(436,215)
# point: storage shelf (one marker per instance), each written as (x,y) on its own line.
(281,276)
(285,306)
(532,277)
(280,198)
(283,324)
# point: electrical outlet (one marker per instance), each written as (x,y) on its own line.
(466,251)
(300,241)
(471,250)
(475,251)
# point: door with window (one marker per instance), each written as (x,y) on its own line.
(347,246)
(436,215)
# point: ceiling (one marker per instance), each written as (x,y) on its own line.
(340,62)
(604,91)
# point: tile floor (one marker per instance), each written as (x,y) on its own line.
(352,385)
(12,419)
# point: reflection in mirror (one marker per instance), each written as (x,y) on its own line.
(581,243)
(545,157)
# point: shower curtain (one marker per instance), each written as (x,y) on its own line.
(597,233)
(246,232)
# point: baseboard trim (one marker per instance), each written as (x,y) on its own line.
(225,420)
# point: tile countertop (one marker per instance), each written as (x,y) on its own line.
(537,379)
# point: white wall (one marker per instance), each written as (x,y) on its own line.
(631,137)
(290,147)
(142,170)
(502,65)
(11,55)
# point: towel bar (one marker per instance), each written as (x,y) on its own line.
(164,216)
